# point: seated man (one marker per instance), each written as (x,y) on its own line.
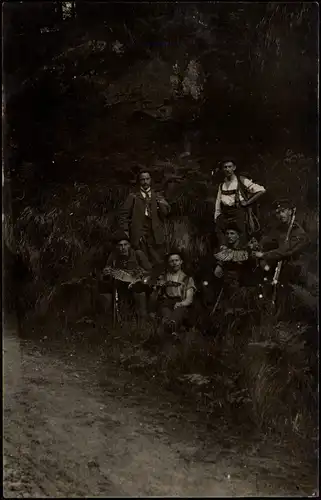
(278,244)
(285,243)
(175,293)
(236,268)
(231,257)
(124,258)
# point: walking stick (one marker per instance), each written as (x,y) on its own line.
(217,302)
(278,268)
(116,316)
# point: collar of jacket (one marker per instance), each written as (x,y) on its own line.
(146,193)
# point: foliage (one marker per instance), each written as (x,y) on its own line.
(281,374)
(106,97)
(65,245)
(161,73)
(68,235)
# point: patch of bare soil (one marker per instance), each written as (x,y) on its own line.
(69,431)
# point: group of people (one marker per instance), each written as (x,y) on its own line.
(139,244)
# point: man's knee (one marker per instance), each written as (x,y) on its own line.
(220,222)
(180,314)
(165,313)
(107,299)
(140,302)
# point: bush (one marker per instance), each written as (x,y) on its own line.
(281,376)
(65,242)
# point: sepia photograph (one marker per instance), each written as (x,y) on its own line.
(160,228)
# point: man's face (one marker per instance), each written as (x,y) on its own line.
(145,180)
(123,247)
(232,236)
(175,263)
(228,169)
(283,214)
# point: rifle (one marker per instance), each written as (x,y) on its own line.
(116,315)
(217,302)
(115,303)
(278,268)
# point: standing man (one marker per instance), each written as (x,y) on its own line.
(234,201)
(142,217)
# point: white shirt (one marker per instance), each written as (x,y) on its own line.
(229,199)
(146,194)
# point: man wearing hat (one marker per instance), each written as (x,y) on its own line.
(125,258)
(234,201)
(284,243)
(142,216)
(236,268)
(233,253)
(276,245)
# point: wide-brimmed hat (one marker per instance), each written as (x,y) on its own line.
(232,227)
(119,236)
(175,251)
(227,159)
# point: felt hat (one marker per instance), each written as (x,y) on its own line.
(175,251)
(282,203)
(119,236)
(227,159)
(232,227)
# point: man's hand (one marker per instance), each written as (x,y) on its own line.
(253,244)
(258,255)
(218,273)
(178,304)
(264,265)
(161,201)
(244,203)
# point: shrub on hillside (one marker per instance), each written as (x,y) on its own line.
(281,376)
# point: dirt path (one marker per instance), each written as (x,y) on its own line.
(68,433)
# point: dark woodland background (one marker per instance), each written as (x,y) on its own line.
(93,90)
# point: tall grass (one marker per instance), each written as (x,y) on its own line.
(281,377)
(65,243)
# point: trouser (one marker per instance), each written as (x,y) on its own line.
(287,305)
(171,315)
(139,300)
(147,244)
(231,215)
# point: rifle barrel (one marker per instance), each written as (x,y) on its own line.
(279,264)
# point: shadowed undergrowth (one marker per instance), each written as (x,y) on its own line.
(267,371)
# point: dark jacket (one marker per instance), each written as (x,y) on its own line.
(136,259)
(132,216)
(298,240)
